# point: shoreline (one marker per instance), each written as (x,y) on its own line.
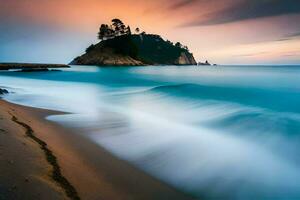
(52,160)
(102,176)
(30,66)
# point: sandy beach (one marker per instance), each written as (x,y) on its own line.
(42,160)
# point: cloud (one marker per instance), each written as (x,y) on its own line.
(290,36)
(239,10)
(293,35)
(182,3)
(251,54)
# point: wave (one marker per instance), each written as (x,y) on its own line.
(276,100)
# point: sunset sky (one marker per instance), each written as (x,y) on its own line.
(221,31)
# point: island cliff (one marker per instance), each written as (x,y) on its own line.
(126,49)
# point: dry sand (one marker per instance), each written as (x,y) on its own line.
(85,169)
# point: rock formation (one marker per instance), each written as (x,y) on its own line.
(135,50)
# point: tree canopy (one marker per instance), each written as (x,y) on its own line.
(115,29)
(118,28)
(137,30)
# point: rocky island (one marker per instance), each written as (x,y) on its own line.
(31,66)
(119,47)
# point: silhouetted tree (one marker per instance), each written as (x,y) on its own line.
(118,26)
(105,32)
(123,29)
(137,30)
(102,31)
(178,45)
(128,30)
(169,42)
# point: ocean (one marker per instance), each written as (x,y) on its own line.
(225,132)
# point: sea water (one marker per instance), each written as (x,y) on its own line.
(229,132)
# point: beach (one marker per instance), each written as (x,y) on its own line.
(90,171)
(24,171)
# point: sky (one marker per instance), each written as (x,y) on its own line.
(221,31)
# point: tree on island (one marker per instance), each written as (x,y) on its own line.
(137,30)
(178,44)
(128,30)
(169,42)
(117,28)
(106,32)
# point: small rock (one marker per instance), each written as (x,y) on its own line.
(3,91)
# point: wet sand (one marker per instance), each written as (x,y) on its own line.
(43,160)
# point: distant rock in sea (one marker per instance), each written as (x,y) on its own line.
(118,47)
(205,63)
(3,91)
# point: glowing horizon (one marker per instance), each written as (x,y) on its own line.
(223,32)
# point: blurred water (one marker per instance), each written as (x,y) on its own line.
(215,132)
